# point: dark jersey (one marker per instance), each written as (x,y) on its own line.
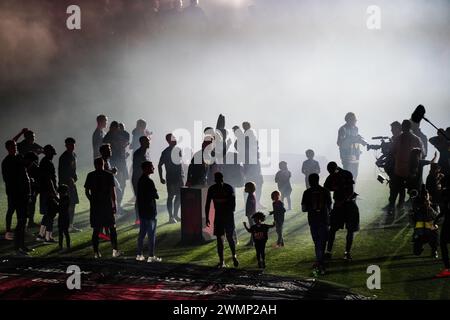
(278,211)
(146,198)
(224,199)
(47,176)
(317,202)
(174,170)
(67,168)
(260,232)
(341,184)
(139,156)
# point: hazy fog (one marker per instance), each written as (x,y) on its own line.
(296,66)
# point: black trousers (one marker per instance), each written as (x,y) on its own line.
(112,234)
(398,186)
(19,236)
(444,249)
(63,232)
(332,236)
(260,246)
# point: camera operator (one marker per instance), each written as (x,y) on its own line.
(442,144)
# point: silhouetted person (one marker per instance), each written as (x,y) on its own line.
(99,134)
(100,190)
(48,194)
(17,187)
(171,160)
(28,144)
(401,150)
(389,168)
(250,206)
(64,216)
(146,199)
(283,181)
(417,163)
(67,174)
(349,142)
(316,201)
(345,212)
(278,212)
(224,199)
(443,146)
(118,144)
(138,132)
(139,157)
(310,166)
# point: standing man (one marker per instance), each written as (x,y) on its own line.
(100,190)
(99,134)
(345,212)
(224,199)
(349,142)
(171,160)
(139,157)
(28,143)
(67,173)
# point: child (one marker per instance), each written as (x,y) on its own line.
(278,216)
(146,204)
(310,166)
(250,207)
(282,178)
(64,216)
(425,231)
(316,201)
(259,232)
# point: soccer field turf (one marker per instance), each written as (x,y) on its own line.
(383,241)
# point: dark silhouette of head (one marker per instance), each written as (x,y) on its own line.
(282,165)
(170,138)
(275,195)
(246,126)
(29,136)
(350,118)
(147,167)
(250,187)
(332,167)
(102,121)
(313,179)
(11,147)
(396,128)
(114,126)
(99,164)
(406,125)
(309,154)
(218,177)
(105,151)
(141,124)
(49,151)
(70,144)
(259,217)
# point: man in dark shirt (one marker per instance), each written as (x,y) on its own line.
(198,169)
(28,144)
(18,192)
(345,212)
(67,173)
(224,199)
(442,144)
(32,162)
(171,160)
(98,135)
(146,199)
(139,156)
(316,201)
(99,189)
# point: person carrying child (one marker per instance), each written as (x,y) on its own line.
(278,216)
(259,232)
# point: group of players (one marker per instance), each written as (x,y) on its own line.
(26,177)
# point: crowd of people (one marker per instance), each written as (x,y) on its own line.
(329,208)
